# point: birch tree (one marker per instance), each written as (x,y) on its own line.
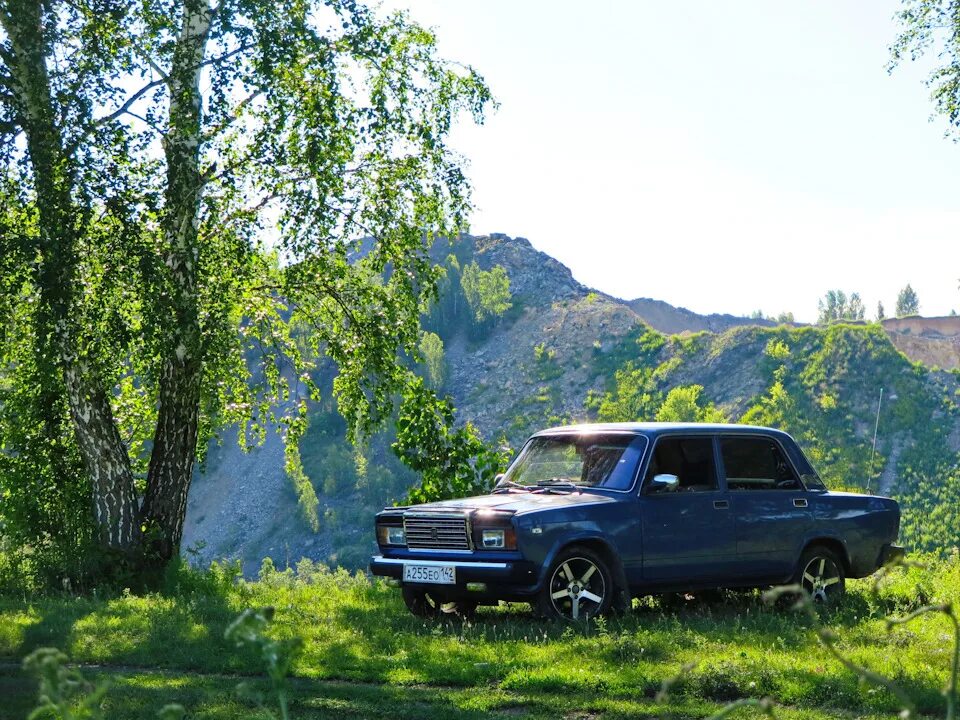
(191,182)
(932,27)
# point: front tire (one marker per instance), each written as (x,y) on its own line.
(422,604)
(820,572)
(579,586)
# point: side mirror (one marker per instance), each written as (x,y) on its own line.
(664,483)
(497,478)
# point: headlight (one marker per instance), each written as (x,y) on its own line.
(391,535)
(493,531)
(493,539)
(396,536)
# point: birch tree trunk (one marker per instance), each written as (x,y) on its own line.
(103,452)
(175,438)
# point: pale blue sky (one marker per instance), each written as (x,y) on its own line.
(722,156)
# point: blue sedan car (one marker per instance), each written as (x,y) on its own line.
(589,516)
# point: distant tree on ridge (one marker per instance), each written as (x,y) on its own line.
(907,302)
(835,306)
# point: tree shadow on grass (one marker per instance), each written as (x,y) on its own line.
(182,628)
(141,695)
(56,618)
(19,693)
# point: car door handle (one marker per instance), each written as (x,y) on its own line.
(800,502)
(720,504)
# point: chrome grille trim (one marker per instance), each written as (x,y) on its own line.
(440,563)
(437,532)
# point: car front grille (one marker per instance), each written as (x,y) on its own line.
(437,533)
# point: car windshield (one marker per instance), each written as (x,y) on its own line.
(592,460)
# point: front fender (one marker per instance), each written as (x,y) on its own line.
(585,537)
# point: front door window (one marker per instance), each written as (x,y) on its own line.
(690,459)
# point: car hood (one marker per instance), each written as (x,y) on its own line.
(516,502)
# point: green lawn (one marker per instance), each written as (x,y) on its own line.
(364,656)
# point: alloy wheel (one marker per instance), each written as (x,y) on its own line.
(577,588)
(821,578)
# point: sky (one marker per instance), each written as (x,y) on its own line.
(723,156)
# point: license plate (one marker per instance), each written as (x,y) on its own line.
(432,574)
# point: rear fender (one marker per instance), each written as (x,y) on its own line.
(830,540)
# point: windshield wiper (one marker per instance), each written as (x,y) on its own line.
(508,485)
(558,484)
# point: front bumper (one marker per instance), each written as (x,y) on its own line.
(504,579)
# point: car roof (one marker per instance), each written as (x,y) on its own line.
(652,429)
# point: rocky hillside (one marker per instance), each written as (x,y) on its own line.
(562,353)
(503,386)
(673,320)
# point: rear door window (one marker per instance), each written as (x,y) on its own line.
(756,464)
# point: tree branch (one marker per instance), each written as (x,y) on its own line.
(127,104)
(227,55)
(150,61)
(120,111)
(250,209)
(157,129)
(237,113)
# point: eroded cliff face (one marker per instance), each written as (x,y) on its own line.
(946,326)
(933,341)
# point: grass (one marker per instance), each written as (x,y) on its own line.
(363,655)
(140,695)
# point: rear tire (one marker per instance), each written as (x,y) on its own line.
(820,572)
(422,604)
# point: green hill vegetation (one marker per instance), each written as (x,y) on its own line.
(821,384)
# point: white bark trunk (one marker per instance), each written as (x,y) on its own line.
(175,439)
(98,440)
